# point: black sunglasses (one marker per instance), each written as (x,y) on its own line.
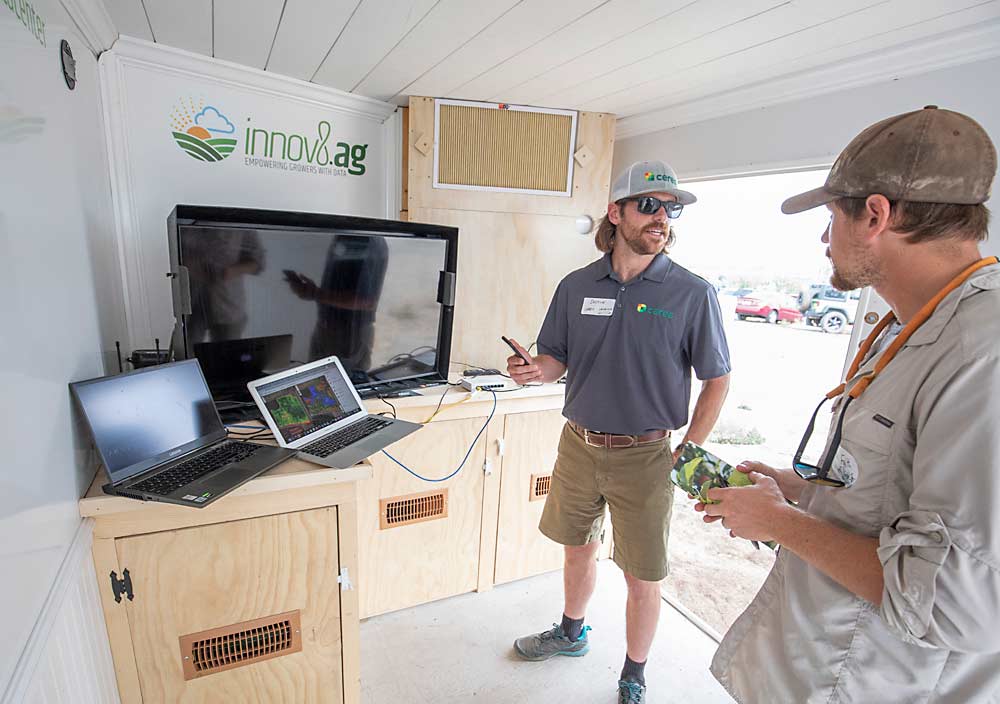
(820,474)
(651,204)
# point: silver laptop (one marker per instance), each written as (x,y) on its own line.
(316,410)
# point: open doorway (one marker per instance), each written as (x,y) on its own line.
(788,333)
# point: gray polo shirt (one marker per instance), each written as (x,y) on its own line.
(629,347)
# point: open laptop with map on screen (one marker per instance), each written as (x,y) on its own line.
(316,410)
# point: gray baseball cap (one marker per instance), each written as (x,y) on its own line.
(924,156)
(648,177)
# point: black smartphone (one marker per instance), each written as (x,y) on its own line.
(516,351)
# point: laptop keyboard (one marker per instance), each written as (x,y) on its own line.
(344,437)
(172,479)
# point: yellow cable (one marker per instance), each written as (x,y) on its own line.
(452,405)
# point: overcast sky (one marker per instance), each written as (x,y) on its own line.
(737,229)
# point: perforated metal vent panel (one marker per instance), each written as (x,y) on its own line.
(504,149)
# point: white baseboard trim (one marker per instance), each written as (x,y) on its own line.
(57,664)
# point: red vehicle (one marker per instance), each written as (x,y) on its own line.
(768,306)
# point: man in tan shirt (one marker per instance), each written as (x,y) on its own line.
(887,584)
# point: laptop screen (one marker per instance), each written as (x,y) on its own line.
(148,416)
(305,403)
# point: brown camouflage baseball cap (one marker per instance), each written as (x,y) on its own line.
(925,156)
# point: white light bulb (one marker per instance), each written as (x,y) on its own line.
(584,224)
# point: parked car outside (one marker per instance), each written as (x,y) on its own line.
(768,305)
(832,310)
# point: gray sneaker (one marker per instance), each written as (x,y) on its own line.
(542,646)
(631,692)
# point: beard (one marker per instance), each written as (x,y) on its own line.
(637,241)
(862,271)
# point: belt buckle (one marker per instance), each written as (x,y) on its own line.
(586,439)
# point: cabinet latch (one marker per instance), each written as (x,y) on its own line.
(345,580)
(121,586)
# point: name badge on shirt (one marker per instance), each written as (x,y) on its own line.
(598,306)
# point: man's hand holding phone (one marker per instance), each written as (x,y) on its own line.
(520,365)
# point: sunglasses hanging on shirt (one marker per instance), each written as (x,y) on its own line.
(820,473)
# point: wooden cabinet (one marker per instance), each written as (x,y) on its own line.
(531,442)
(420,540)
(480,527)
(250,599)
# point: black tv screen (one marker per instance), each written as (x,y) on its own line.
(257,291)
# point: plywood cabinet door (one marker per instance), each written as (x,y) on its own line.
(531,441)
(194,579)
(403,562)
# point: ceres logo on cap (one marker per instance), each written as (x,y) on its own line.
(650,176)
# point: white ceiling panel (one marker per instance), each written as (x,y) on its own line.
(528,23)
(656,39)
(625,83)
(308,30)
(185,24)
(838,40)
(244,30)
(617,18)
(376,27)
(129,17)
(650,62)
(445,28)
(830,44)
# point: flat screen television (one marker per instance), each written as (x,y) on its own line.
(255,291)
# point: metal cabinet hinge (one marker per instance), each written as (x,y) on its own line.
(487,467)
(121,586)
(345,580)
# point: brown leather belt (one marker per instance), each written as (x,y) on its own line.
(613,441)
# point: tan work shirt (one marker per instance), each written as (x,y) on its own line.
(921,453)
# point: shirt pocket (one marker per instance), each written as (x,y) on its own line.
(865,463)
(870,429)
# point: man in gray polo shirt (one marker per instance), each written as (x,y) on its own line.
(627,331)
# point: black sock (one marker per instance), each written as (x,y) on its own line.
(633,671)
(572,627)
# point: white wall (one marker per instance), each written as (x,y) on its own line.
(810,133)
(150,90)
(57,300)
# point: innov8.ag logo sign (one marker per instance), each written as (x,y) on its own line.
(650,176)
(643,308)
(203,131)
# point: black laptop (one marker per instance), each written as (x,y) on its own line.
(161,439)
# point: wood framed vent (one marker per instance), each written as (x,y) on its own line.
(240,644)
(540,485)
(413,508)
(501,147)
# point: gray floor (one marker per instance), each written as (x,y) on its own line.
(459,650)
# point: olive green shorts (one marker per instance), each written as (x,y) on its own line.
(635,484)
